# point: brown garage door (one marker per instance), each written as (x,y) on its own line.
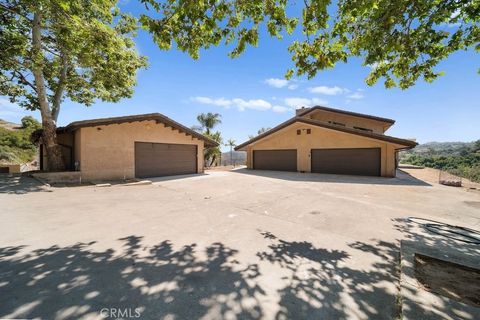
(281,160)
(164,159)
(364,162)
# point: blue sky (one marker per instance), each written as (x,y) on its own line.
(249,93)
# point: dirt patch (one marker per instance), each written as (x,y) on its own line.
(454,281)
(433,176)
(475,204)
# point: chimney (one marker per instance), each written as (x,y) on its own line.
(300,110)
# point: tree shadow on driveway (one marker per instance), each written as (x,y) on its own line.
(20,184)
(165,281)
(402,179)
(322,284)
(74,281)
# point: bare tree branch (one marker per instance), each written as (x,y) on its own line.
(57,98)
(24,80)
(37,69)
(12,10)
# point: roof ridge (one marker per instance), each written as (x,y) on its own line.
(351,113)
(299,118)
(156,116)
(356,130)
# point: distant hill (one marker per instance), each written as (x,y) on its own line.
(238,157)
(15,144)
(442,148)
(9,125)
(459,158)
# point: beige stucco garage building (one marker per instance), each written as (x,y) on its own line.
(327,140)
(138,146)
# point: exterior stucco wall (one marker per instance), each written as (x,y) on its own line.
(78,145)
(349,121)
(321,138)
(108,152)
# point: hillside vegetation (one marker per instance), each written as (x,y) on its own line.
(459,158)
(15,143)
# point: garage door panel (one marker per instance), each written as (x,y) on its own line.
(280,160)
(355,161)
(164,159)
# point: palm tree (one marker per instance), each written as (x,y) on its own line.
(262,130)
(231,144)
(213,153)
(208,121)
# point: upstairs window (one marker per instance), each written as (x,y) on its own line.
(337,123)
(363,129)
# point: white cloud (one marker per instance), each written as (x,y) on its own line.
(261,104)
(331,91)
(10,111)
(239,103)
(296,102)
(356,96)
(282,83)
(280,109)
(221,102)
(276,82)
(256,104)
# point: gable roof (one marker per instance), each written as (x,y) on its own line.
(158,117)
(407,143)
(354,114)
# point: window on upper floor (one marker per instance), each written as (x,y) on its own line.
(363,129)
(337,123)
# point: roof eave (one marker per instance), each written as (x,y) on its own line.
(407,143)
(159,118)
(354,114)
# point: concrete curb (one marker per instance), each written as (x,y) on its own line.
(137,183)
(102,185)
(418,303)
(44,183)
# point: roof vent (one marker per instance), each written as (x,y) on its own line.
(301,110)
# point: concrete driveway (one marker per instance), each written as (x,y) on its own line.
(223,245)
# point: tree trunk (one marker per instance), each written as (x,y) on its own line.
(49,137)
(53,149)
(214,157)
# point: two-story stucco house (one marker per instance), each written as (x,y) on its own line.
(326,140)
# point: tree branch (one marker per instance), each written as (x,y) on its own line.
(50,51)
(12,10)
(24,80)
(57,98)
(37,68)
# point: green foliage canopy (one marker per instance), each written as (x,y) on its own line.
(401,40)
(87,52)
(207,121)
(16,145)
(464,162)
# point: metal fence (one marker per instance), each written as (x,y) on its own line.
(449,179)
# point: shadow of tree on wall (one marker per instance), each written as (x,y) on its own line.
(321,285)
(74,281)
